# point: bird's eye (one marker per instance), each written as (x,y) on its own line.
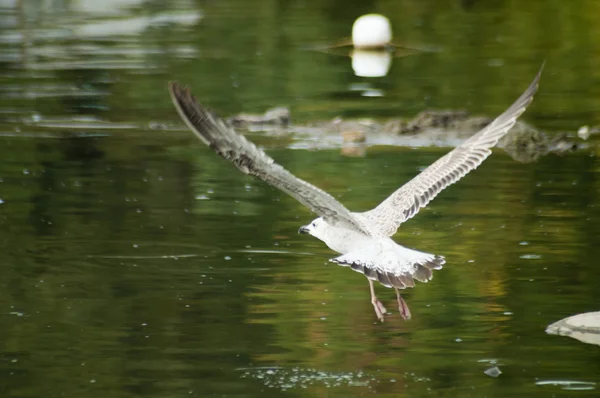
(314,224)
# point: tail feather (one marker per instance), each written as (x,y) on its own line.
(407,280)
(400,275)
(384,278)
(422,273)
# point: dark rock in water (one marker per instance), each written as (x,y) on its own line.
(432,119)
(526,144)
(445,128)
(394,126)
(583,327)
(493,372)
(279,116)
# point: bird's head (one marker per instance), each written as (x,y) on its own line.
(316,228)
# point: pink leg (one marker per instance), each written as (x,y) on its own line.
(379,308)
(402,306)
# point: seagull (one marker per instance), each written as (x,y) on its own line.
(364,240)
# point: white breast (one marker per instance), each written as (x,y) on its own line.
(344,240)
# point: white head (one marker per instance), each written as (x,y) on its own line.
(316,228)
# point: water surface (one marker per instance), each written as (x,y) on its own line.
(135,262)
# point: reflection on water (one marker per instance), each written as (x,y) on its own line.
(571,385)
(371,63)
(135,262)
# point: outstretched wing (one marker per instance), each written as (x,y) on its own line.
(418,192)
(229,144)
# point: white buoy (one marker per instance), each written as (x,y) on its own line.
(371,31)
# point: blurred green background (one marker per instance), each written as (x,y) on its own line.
(135,262)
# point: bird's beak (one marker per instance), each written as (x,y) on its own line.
(303,230)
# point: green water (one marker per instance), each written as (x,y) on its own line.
(135,262)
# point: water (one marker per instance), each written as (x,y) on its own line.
(134,262)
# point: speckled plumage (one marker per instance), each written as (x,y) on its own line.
(363,239)
(405,202)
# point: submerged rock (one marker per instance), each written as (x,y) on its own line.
(583,327)
(444,128)
(493,372)
(279,116)
(431,119)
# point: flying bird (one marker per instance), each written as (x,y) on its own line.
(363,239)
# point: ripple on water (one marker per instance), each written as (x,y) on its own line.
(572,385)
(287,379)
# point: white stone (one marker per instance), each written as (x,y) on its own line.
(583,327)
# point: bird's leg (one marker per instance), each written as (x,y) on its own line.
(402,306)
(379,308)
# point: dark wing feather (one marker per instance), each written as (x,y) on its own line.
(249,159)
(418,192)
